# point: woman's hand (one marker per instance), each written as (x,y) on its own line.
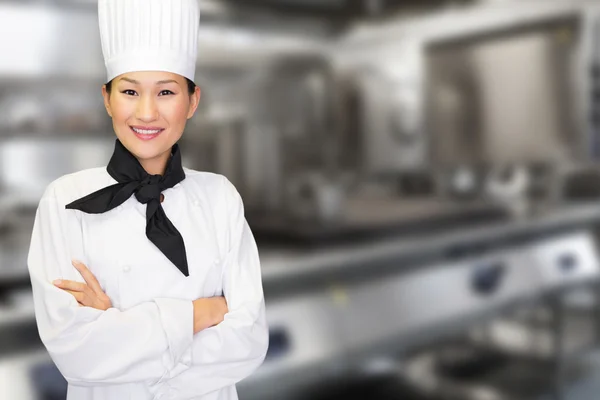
(208,312)
(88,294)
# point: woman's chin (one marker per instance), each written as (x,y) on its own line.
(146,150)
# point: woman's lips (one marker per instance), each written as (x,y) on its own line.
(146,133)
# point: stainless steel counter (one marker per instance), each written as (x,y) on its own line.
(281,264)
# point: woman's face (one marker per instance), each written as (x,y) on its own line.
(149,110)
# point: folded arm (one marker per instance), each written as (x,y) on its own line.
(93,347)
(225,354)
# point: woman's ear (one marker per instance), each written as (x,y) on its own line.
(194,101)
(106,97)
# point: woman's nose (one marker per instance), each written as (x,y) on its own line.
(147,110)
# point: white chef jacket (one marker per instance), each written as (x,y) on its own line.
(144,346)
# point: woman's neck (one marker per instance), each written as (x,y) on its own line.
(156,165)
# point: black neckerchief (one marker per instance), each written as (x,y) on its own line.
(133,179)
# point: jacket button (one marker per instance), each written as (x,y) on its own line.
(217,261)
(126,268)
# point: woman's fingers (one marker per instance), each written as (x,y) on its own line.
(79,290)
(70,285)
(88,276)
(79,296)
(84,294)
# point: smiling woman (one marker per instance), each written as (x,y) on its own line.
(135,297)
(149,110)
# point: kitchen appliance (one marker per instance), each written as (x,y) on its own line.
(346,324)
(455,85)
(566,260)
(297,119)
(534,350)
(568,269)
(389,118)
(265,121)
(483,107)
(430,299)
(463,372)
(304,347)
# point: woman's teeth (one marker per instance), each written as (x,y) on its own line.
(146,132)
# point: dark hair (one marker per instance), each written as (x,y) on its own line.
(190,84)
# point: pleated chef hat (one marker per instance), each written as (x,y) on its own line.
(149,35)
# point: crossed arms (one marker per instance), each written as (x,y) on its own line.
(195,347)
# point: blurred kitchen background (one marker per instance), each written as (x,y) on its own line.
(422,177)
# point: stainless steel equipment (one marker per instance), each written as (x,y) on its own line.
(358,318)
(569,259)
(433,297)
(455,85)
(461,372)
(274,125)
(484,108)
(563,264)
(388,115)
(530,352)
(298,120)
(304,347)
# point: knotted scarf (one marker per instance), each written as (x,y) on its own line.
(133,179)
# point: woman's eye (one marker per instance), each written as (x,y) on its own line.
(165,93)
(129,92)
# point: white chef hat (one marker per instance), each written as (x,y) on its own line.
(149,35)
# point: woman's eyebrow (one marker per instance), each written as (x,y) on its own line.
(130,80)
(167,81)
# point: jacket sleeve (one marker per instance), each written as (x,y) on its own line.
(91,347)
(230,351)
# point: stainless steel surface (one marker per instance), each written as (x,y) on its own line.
(481,373)
(313,196)
(385,314)
(304,339)
(482,107)
(533,336)
(522,356)
(426,300)
(390,116)
(465,372)
(287,265)
(298,111)
(28,164)
(455,106)
(566,260)
(280,105)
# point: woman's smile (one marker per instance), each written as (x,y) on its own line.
(146,132)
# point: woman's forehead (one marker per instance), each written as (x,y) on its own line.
(150,77)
